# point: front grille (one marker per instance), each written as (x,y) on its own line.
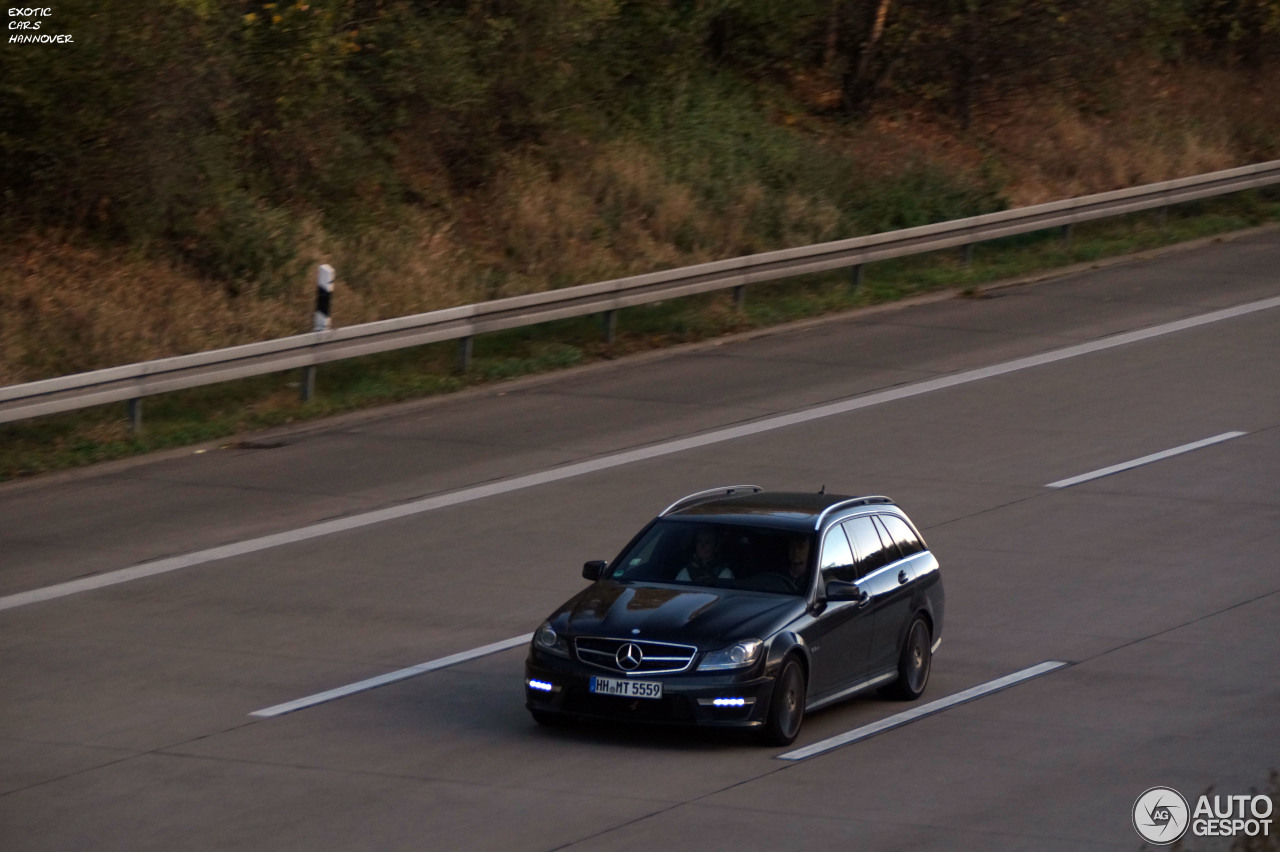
(655,657)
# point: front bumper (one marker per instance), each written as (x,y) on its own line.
(689,698)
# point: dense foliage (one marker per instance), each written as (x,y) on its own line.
(210,131)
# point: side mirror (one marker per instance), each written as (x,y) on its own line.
(842,590)
(593,570)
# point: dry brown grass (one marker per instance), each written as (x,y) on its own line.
(67,307)
(615,213)
(1161,125)
(618,213)
(388,272)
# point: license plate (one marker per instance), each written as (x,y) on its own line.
(626,688)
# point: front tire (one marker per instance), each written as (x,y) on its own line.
(914,664)
(786,706)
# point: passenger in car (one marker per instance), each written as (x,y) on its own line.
(704,563)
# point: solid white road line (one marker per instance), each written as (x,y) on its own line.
(920,712)
(392,677)
(1154,457)
(768,424)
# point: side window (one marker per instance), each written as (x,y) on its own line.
(906,539)
(891,551)
(837,558)
(866,542)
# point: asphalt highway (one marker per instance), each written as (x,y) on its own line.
(148,609)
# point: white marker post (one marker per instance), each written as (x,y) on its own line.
(324,297)
(321,322)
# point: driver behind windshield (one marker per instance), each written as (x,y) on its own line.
(704,564)
(798,560)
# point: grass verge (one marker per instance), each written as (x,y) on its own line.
(233,409)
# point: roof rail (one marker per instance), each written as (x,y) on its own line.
(849,504)
(709,494)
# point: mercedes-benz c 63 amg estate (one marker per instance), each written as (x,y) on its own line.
(737,607)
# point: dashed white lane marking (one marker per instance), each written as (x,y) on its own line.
(392,677)
(1154,457)
(920,712)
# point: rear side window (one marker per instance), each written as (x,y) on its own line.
(866,544)
(906,539)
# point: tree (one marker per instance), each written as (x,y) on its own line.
(959,52)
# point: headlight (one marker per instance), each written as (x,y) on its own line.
(737,656)
(546,639)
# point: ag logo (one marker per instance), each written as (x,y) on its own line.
(1161,816)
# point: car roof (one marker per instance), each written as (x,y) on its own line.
(779,509)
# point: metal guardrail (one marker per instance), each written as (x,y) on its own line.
(132,382)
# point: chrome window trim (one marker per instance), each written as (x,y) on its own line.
(883,568)
(870,513)
(851,503)
(897,563)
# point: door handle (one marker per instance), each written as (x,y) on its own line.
(902,577)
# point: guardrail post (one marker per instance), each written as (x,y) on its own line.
(740,298)
(1066,234)
(610,326)
(464,354)
(856,276)
(1162,217)
(968,253)
(308,383)
(135,415)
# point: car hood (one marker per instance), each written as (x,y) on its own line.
(674,614)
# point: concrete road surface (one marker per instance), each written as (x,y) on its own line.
(148,608)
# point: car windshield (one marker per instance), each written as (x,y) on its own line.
(732,556)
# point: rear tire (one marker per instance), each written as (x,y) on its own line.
(786,706)
(914,664)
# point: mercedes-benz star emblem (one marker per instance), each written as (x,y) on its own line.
(629,657)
